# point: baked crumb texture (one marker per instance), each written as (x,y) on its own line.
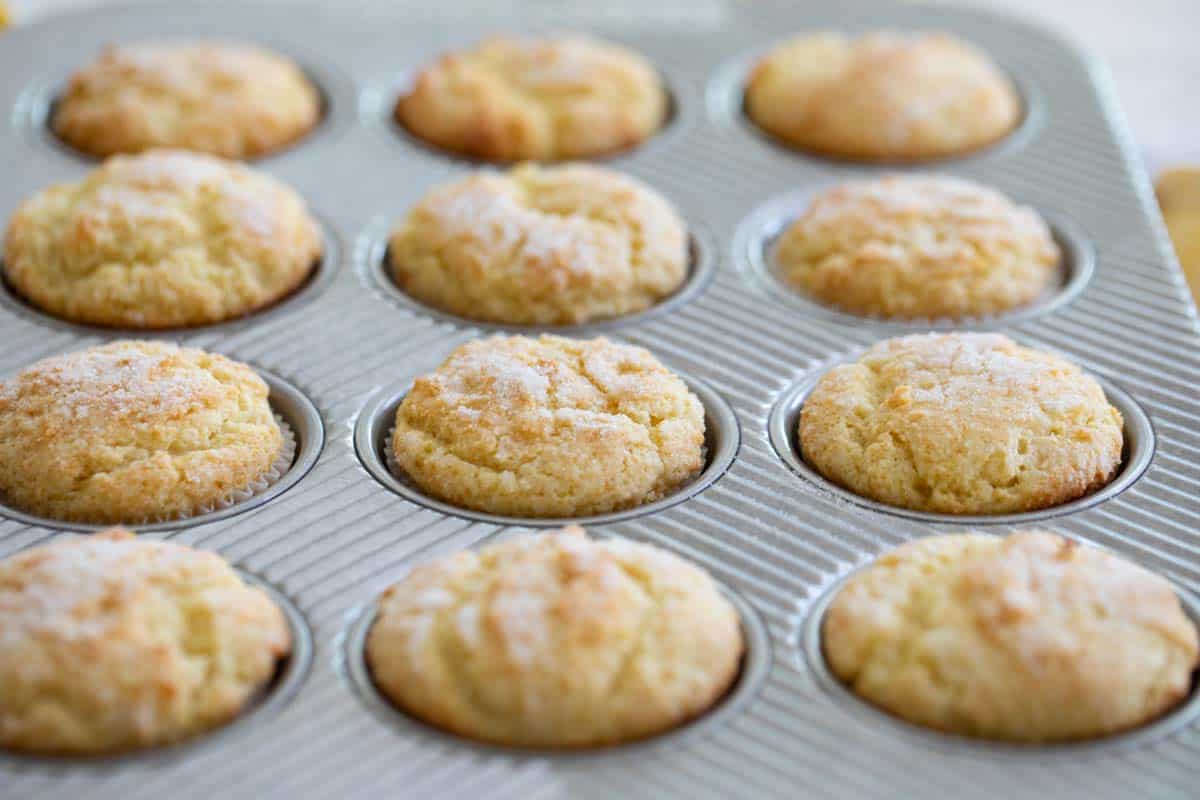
(133,432)
(556,640)
(883,96)
(549,427)
(541,245)
(229,99)
(113,643)
(918,247)
(513,98)
(961,423)
(1028,638)
(159,240)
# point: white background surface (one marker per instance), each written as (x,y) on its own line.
(1150,45)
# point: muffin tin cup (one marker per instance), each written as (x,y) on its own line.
(372,441)
(285,684)
(350,661)
(756,238)
(784,419)
(304,437)
(726,102)
(811,654)
(321,277)
(371,258)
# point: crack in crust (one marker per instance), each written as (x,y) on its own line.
(961,424)
(556,640)
(549,427)
(1029,638)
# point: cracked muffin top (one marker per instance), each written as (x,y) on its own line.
(1029,638)
(229,99)
(961,423)
(918,246)
(112,644)
(556,640)
(541,245)
(163,239)
(133,432)
(882,96)
(549,427)
(514,98)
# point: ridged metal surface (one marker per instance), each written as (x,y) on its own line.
(337,538)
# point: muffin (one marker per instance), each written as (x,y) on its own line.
(113,643)
(134,432)
(556,640)
(961,423)
(1029,638)
(164,239)
(541,245)
(511,98)
(918,246)
(883,96)
(549,427)
(229,99)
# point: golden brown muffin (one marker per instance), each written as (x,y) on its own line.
(229,99)
(112,644)
(1178,193)
(918,246)
(541,245)
(556,640)
(882,96)
(961,423)
(549,427)
(133,432)
(160,240)
(1029,638)
(512,98)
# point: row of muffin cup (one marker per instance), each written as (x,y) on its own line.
(750,627)
(605,99)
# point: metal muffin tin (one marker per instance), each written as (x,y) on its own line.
(777,540)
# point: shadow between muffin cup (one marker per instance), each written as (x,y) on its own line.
(1136,454)
(757,236)
(725,98)
(810,652)
(290,674)
(320,277)
(371,257)
(288,402)
(372,432)
(350,661)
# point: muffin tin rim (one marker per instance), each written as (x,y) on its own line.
(371,262)
(808,650)
(350,663)
(1140,444)
(724,99)
(755,238)
(299,412)
(285,685)
(376,419)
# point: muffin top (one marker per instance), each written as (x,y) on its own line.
(556,640)
(918,246)
(511,98)
(1029,638)
(133,432)
(883,96)
(113,643)
(961,423)
(541,245)
(230,99)
(160,240)
(549,427)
